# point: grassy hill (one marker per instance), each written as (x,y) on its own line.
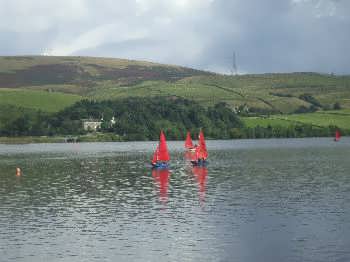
(105,78)
(83,73)
(53,83)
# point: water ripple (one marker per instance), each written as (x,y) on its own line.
(287,201)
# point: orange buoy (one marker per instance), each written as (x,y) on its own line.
(18,171)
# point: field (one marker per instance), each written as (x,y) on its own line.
(43,100)
(340,118)
(319,119)
(265,122)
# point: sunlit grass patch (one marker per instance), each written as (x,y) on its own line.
(43,100)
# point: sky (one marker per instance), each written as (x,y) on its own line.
(265,35)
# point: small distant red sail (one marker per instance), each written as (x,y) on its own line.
(188,142)
(163,149)
(201,150)
(337,135)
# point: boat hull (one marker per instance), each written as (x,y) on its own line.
(160,165)
(199,162)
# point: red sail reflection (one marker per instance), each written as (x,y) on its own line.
(161,176)
(201,174)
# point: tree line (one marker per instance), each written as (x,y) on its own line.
(143,118)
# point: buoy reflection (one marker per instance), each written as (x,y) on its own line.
(18,171)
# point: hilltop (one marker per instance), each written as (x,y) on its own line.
(80,74)
(109,78)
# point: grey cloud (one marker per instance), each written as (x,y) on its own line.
(267,36)
(280,37)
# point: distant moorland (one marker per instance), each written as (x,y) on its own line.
(40,88)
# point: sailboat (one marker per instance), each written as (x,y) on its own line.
(190,152)
(201,153)
(188,142)
(337,136)
(161,155)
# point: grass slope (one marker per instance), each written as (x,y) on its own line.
(340,118)
(281,91)
(32,99)
(278,92)
(265,122)
(83,71)
(319,119)
(254,91)
(104,78)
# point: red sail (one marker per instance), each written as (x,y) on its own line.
(203,153)
(337,135)
(188,142)
(163,149)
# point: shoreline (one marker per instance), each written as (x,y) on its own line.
(30,140)
(96,138)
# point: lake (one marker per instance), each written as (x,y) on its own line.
(258,200)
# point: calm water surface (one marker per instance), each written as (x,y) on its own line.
(258,200)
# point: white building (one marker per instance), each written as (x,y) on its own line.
(91,124)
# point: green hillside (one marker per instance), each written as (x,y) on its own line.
(106,78)
(54,83)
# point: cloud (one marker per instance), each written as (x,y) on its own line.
(267,36)
(39,15)
(95,37)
